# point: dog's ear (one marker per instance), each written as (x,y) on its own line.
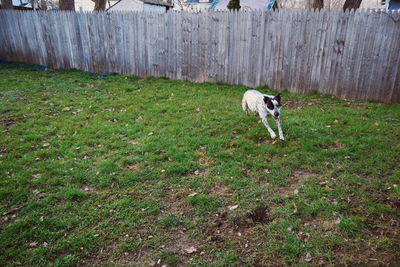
(278,98)
(269,103)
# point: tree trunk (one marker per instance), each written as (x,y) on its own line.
(43,5)
(317,4)
(351,4)
(275,6)
(67,5)
(234,4)
(99,5)
(6,4)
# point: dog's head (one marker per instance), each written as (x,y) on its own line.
(273,105)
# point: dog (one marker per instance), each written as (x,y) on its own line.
(263,105)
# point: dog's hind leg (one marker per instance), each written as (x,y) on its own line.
(245,106)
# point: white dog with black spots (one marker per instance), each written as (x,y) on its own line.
(263,105)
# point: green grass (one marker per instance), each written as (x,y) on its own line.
(120,170)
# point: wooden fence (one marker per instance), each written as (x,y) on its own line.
(353,55)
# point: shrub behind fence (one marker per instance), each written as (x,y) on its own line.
(354,55)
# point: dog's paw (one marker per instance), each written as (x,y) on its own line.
(273,137)
(282,138)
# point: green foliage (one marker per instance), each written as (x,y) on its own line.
(169,258)
(105,169)
(68,260)
(171,221)
(234,4)
(351,225)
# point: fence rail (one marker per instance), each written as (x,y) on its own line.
(353,55)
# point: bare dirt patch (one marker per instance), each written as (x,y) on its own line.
(297,179)
(180,242)
(11,120)
(260,215)
(300,104)
(7,122)
(237,228)
(219,189)
(134,168)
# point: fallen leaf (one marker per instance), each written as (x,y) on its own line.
(233,207)
(134,167)
(37,176)
(77,111)
(327,188)
(33,244)
(66,109)
(150,133)
(46,144)
(193,194)
(191,250)
(296,192)
(133,142)
(295,208)
(308,257)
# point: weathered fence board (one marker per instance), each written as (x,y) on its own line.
(352,54)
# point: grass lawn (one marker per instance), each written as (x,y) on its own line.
(120,170)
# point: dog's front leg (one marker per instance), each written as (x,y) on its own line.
(264,120)
(278,123)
